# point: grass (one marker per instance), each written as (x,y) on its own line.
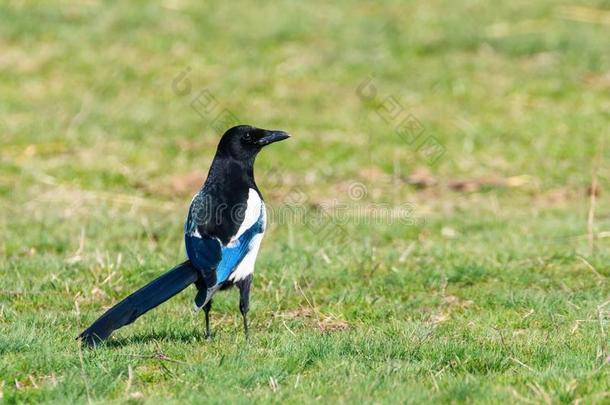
(489,291)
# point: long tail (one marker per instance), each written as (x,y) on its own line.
(137,304)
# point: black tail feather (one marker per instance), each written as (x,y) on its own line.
(137,304)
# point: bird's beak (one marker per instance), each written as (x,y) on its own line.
(273,136)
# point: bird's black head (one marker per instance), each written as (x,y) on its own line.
(243,142)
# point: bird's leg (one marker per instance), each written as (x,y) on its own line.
(206,310)
(244,300)
(204,300)
(245,316)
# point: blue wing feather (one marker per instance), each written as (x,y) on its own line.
(204,253)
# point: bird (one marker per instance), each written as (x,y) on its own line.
(223,231)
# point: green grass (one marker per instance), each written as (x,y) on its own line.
(484,295)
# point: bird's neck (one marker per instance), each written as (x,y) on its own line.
(226,170)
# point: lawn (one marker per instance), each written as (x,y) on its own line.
(439,221)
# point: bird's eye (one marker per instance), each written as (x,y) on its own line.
(247,137)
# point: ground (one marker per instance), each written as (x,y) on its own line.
(435,229)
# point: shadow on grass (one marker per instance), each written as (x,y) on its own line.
(194,335)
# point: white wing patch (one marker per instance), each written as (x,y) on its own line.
(251,215)
(246,266)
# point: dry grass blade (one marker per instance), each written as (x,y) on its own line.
(585,14)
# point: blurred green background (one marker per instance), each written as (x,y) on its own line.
(495,290)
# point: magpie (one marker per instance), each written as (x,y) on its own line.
(222,233)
